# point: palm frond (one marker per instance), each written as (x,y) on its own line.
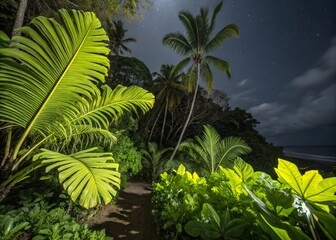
(129,40)
(214,16)
(190,24)
(112,104)
(220,64)
(231,148)
(227,32)
(182,64)
(87,176)
(123,49)
(211,152)
(203,27)
(178,43)
(76,136)
(195,152)
(55,66)
(207,76)
(4,40)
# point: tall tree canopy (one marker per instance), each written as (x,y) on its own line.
(118,41)
(198,42)
(168,86)
(104,9)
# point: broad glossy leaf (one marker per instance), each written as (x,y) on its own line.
(211,215)
(244,170)
(205,230)
(87,176)
(235,181)
(327,222)
(62,62)
(311,186)
(271,223)
(181,170)
(49,68)
(235,228)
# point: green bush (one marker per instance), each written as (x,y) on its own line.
(293,207)
(128,157)
(35,218)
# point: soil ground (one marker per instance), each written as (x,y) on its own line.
(131,217)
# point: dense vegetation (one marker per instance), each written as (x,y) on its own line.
(79,119)
(238,203)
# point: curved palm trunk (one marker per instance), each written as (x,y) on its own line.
(164,122)
(189,115)
(19,18)
(153,127)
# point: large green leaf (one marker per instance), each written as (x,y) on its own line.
(50,69)
(327,223)
(4,40)
(212,152)
(90,119)
(310,186)
(87,176)
(110,104)
(271,223)
(243,169)
(214,226)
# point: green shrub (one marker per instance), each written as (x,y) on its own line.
(128,157)
(36,218)
(293,207)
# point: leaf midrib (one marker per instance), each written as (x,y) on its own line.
(50,94)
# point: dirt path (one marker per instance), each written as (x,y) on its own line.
(131,217)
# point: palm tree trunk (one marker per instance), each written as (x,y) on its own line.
(190,113)
(164,122)
(153,127)
(19,18)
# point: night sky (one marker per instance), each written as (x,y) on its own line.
(283,64)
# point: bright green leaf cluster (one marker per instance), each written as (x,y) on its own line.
(294,207)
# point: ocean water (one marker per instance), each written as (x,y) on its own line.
(315,153)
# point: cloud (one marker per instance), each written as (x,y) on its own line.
(243,98)
(314,111)
(244,95)
(326,72)
(243,83)
(312,104)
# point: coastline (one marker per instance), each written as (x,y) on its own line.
(325,168)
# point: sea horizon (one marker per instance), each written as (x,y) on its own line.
(325,153)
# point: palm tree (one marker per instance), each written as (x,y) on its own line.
(197,44)
(210,152)
(49,96)
(168,85)
(116,33)
(155,158)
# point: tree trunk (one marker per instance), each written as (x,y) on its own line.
(164,122)
(189,115)
(19,18)
(153,127)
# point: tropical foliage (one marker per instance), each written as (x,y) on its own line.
(116,34)
(104,9)
(168,86)
(196,45)
(214,226)
(240,203)
(127,71)
(210,151)
(50,98)
(155,159)
(36,218)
